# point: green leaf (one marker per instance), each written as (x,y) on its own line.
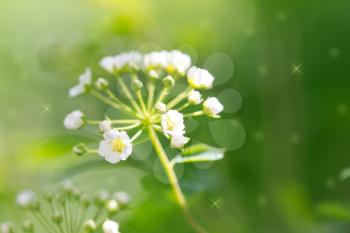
(199,153)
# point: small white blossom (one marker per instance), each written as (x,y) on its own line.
(122,61)
(102,83)
(110,226)
(178,141)
(116,146)
(199,78)
(112,206)
(122,197)
(194,97)
(85,80)
(105,126)
(160,107)
(5,228)
(173,122)
(74,120)
(155,60)
(107,63)
(212,106)
(90,225)
(26,199)
(153,74)
(177,61)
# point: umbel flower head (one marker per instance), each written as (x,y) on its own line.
(97,214)
(148,96)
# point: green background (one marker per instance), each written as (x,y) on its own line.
(286,175)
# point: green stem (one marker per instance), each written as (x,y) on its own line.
(141,101)
(129,96)
(151,89)
(179,98)
(169,170)
(113,103)
(119,102)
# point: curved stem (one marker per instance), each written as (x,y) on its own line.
(180,198)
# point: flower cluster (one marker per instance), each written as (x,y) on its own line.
(69,210)
(148,95)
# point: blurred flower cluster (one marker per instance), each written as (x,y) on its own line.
(69,210)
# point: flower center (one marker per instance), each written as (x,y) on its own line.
(118,145)
(170,124)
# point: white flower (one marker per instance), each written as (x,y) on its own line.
(90,225)
(122,197)
(105,126)
(212,106)
(199,78)
(116,146)
(26,199)
(107,63)
(160,107)
(178,141)
(155,60)
(153,74)
(110,226)
(173,122)
(177,61)
(5,228)
(74,120)
(85,80)
(121,61)
(102,84)
(112,206)
(194,97)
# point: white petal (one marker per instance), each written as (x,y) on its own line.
(123,135)
(104,148)
(112,157)
(127,152)
(105,126)
(86,77)
(76,90)
(110,226)
(111,134)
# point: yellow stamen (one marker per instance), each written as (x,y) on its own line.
(118,145)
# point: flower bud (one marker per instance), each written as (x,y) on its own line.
(102,84)
(74,120)
(101,198)
(76,194)
(27,200)
(28,226)
(153,74)
(67,187)
(168,82)
(90,226)
(178,141)
(85,202)
(137,84)
(105,126)
(6,228)
(110,226)
(160,107)
(57,218)
(194,97)
(212,107)
(80,149)
(49,196)
(122,197)
(112,206)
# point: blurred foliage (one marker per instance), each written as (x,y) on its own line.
(286,130)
